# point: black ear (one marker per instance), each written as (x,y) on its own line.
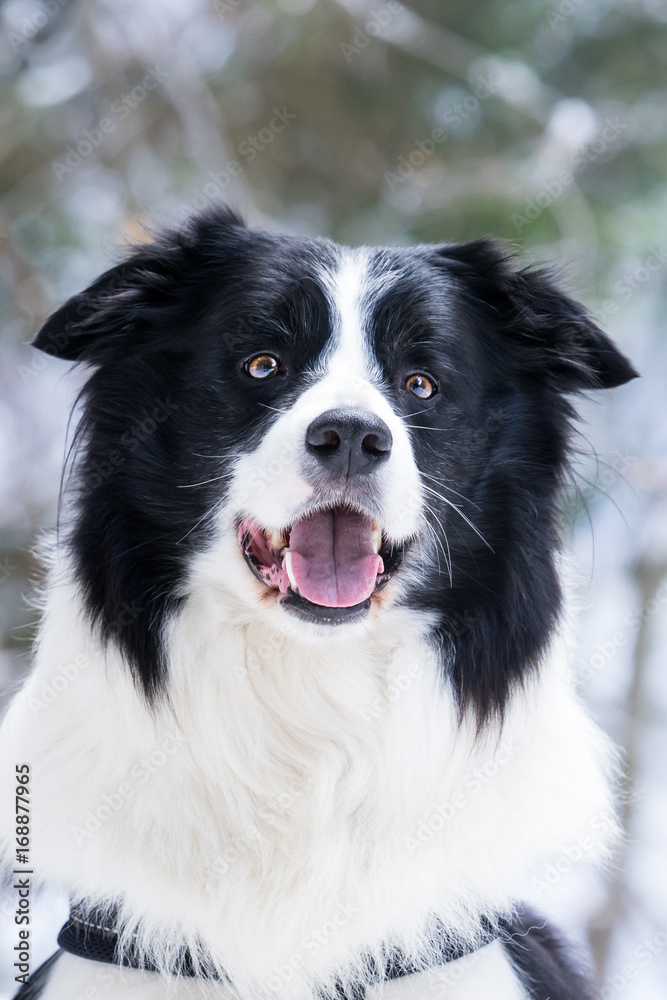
(92,325)
(551,335)
(129,307)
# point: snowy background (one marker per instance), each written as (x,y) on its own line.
(542,123)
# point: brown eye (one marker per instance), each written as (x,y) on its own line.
(421,386)
(262,366)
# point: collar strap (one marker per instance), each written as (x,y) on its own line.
(92,935)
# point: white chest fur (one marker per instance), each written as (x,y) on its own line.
(292,805)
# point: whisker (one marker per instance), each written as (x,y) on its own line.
(464,516)
(204,482)
(416,427)
(406,416)
(451,489)
(209,513)
(438,544)
(448,554)
(274,408)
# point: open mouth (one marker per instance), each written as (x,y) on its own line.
(326,566)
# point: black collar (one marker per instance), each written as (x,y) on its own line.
(91,934)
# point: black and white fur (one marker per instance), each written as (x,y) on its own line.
(288,798)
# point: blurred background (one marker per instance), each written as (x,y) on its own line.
(543,122)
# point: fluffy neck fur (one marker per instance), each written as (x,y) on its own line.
(292,806)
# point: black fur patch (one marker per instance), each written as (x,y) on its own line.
(544,961)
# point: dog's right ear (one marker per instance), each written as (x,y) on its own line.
(92,325)
(131,307)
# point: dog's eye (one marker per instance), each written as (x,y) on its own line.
(421,386)
(262,366)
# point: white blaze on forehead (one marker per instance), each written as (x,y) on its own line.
(352,289)
(345,289)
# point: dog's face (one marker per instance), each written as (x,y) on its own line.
(336,430)
(328,499)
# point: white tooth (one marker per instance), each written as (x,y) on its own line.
(287,563)
(376,537)
(276,538)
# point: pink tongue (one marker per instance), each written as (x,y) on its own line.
(333,562)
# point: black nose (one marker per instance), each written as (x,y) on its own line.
(349,442)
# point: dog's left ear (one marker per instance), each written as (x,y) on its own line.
(551,336)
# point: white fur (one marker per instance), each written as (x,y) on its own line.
(303,796)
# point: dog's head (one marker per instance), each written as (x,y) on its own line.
(332,431)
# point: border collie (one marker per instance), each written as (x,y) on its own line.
(301,723)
